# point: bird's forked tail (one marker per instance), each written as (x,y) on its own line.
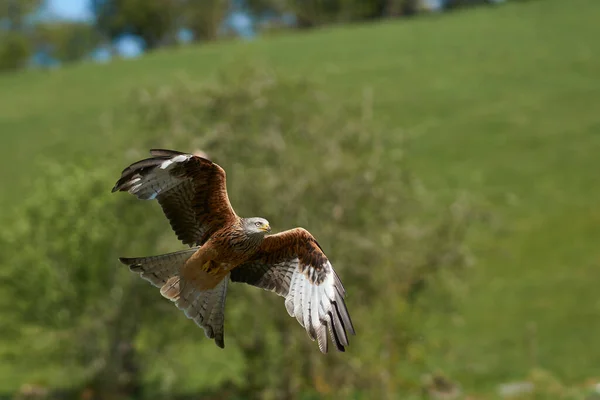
(205,307)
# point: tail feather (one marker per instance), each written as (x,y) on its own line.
(158,269)
(206,308)
(217,315)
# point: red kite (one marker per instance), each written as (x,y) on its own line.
(193,195)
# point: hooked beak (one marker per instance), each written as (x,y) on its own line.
(266,228)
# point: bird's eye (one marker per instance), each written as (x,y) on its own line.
(258,223)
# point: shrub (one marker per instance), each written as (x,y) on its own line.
(15,51)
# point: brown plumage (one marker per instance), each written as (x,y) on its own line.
(193,195)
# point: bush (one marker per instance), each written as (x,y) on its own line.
(65,299)
(15,51)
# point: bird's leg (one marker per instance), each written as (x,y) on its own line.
(210,267)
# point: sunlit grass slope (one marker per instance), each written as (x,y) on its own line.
(501,102)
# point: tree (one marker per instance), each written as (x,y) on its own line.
(67,41)
(15,51)
(65,285)
(311,13)
(14,11)
(393,8)
(203,17)
(152,20)
(15,48)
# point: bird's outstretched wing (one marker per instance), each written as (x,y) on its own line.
(190,189)
(293,265)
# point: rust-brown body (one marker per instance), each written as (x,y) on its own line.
(219,256)
(215,260)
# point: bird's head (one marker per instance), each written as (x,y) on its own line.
(257,226)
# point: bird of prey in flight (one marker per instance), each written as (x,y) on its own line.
(223,246)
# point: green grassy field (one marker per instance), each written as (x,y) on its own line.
(501,102)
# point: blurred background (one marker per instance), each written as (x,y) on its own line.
(444,153)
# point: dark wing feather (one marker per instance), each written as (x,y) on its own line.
(191,191)
(293,265)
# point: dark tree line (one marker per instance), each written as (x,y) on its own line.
(158,22)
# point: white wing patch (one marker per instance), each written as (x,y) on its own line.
(316,306)
(176,159)
(149,186)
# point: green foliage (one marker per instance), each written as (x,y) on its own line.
(15,51)
(152,20)
(14,11)
(69,41)
(157,21)
(203,17)
(319,12)
(68,297)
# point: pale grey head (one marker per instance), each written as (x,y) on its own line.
(256,226)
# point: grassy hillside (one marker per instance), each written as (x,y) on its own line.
(500,102)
